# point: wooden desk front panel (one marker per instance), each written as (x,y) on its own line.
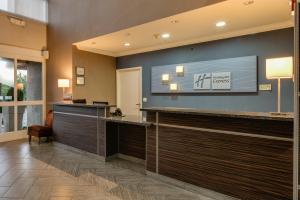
(243,167)
(151,143)
(132,140)
(76,131)
(245,125)
(126,139)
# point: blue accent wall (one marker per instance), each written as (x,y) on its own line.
(277,43)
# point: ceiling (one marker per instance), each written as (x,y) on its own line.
(242,17)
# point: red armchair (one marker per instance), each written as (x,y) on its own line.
(42,131)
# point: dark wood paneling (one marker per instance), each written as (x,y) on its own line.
(101,138)
(111,138)
(151,149)
(255,126)
(75,131)
(76,110)
(151,117)
(132,140)
(151,143)
(244,167)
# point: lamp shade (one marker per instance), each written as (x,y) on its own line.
(279,68)
(63,83)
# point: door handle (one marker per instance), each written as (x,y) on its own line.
(138,104)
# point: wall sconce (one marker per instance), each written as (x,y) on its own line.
(180,70)
(173,87)
(165,78)
(279,68)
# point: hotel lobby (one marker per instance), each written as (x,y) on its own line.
(149,100)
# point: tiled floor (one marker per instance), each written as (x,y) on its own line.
(50,172)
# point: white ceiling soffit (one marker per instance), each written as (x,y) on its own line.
(242,17)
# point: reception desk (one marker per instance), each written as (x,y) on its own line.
(241,154)
(244,155)
(91,128)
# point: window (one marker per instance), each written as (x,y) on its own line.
(6,119)
(29,80)
(6,79)
(21,93)
(35,9)
(29,115)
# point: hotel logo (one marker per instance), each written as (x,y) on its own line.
(215,81)
(202,81)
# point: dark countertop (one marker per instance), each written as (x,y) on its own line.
(247,115)
(130,119)
(84,105)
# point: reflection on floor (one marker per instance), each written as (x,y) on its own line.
(50,172)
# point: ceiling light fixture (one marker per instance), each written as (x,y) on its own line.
(248,3)
(221,24)
(166,35)
(127,44)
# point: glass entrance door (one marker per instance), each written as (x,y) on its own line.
(21,94)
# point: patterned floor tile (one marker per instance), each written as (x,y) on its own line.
(48,172)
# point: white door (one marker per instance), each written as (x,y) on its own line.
(129,90)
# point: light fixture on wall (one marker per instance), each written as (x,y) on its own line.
(173,87)
(279,68)
(180,70)
(165,78)
(63,83)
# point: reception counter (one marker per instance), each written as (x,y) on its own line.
(91,128)
(246,155)
(242,154)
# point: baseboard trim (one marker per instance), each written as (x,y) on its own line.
(131,158)
(126,157)
(189,187)
(82,152)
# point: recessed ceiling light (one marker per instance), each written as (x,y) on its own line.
(174,21)
(248,2)
(127,44)
(221,24)
(166,35)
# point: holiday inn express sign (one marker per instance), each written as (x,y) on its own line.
(227,75)
(215,81)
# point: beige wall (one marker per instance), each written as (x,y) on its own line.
(76,20)
(100,77)
(32,36)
